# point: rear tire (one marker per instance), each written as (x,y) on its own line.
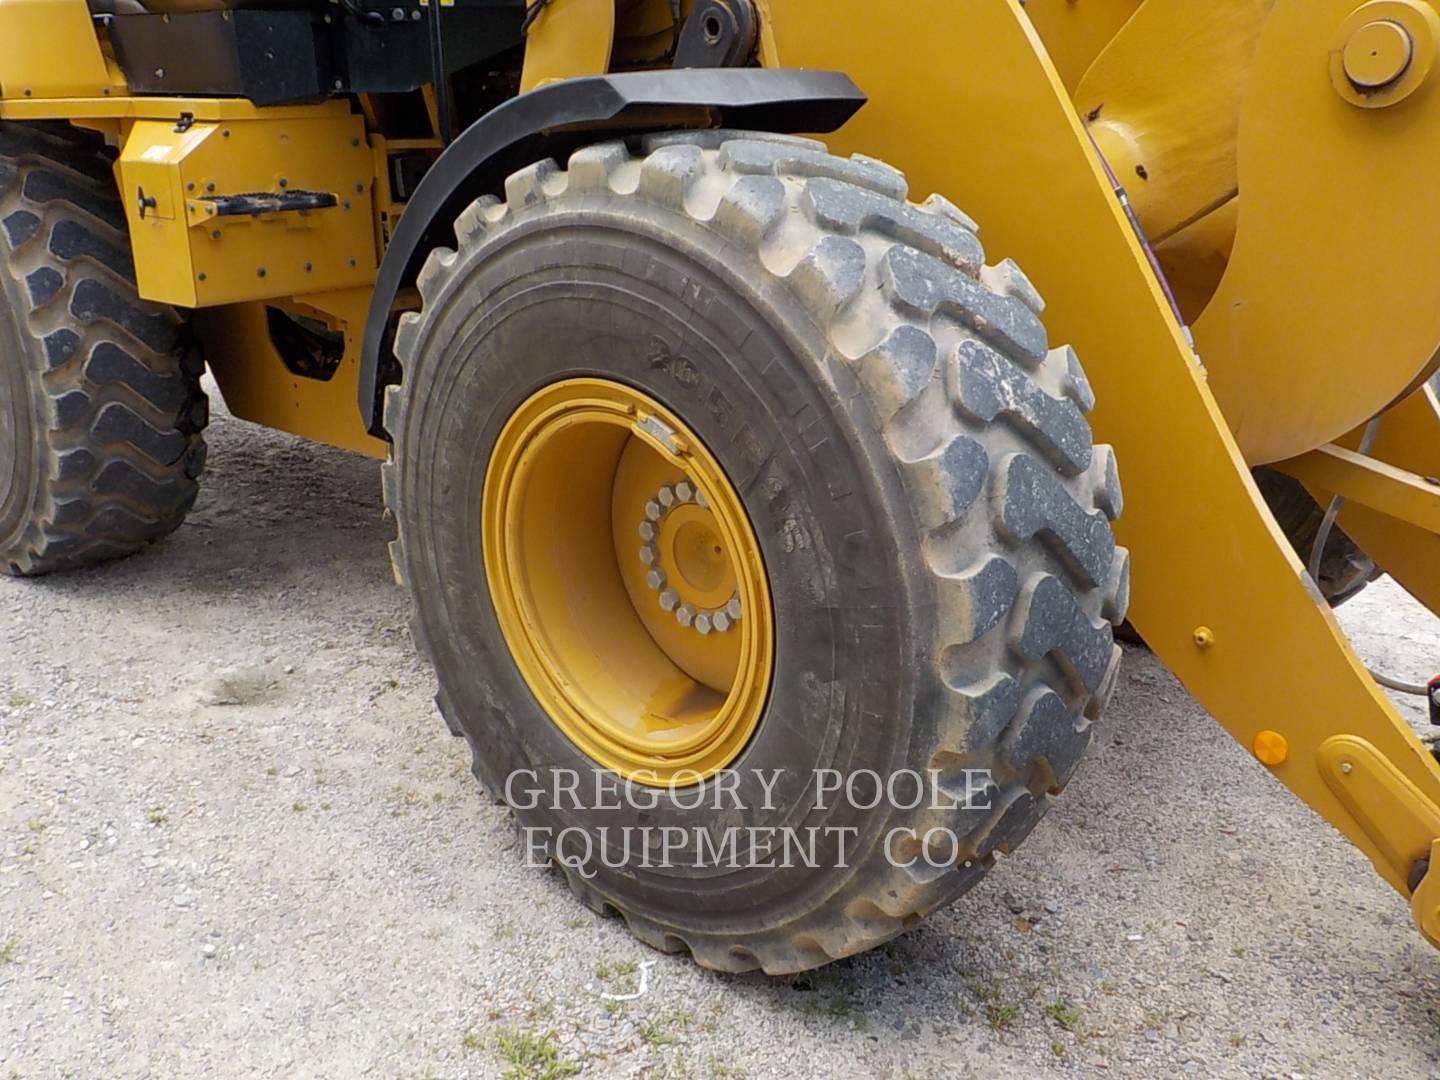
(100,401)
(915,462)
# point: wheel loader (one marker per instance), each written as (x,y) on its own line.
(739,490)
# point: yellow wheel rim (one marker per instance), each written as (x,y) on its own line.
(627,582)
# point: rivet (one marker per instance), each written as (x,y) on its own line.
(1204,637)
(1346,768)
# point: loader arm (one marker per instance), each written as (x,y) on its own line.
(1217,591)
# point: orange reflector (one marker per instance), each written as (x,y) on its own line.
(1271,747)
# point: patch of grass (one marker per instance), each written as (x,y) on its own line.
(580,922)
(985,991)
(1058,1049)
(533,1056)
(505,931)
(720,1070)
(1154,1021)
(608,970)
(272,771)
(1237,1040)
(1108,987)
(19,701)
(158,815)
(7,951)
(1237,951)
(298,807)
(35,825)
(472,1042)
(1063,1013)
(1002,1014)
(661,1032)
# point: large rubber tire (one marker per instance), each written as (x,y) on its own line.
(100,400)
(1345,570)
(914,459)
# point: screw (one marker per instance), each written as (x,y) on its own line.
(398,14)
(210,186)
(415,15)
(284,183)
(190,186)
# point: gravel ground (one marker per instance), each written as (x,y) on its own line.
(236,840)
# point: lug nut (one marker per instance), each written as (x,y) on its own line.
(648,554)
(685,614)
(665,497)
(655,579)
(668,599)
(733,607)
(702,623)
(720,621)
(652,510)
(647,531)
(701,501)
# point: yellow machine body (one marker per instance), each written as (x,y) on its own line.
(1277,156)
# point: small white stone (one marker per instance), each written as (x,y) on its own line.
(208,949)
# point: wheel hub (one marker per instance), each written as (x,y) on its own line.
(627,581)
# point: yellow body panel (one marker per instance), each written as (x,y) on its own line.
(257,386)
(189,255)
(1075,33)
(1165,96)
(1328,309)
(567,39)
(1217,591)
(68,64)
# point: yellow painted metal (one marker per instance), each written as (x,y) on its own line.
(1383,52)
(1425,903)
(161,108)
(1205,550)
(572,483)
(48,48)
(1329,193)
(1408,438)
(258,387)
(1398,494)
(1075,33)
(189,255)
(1377,54)
(567,39)
(1401,822)
(1165,96)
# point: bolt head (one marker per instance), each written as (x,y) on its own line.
(665,497)
(647,531)
(685,614)
(669,599)
(720,621)
(652,510)
(702,624)
(684,491)
(655,579)
(648,554)
(701,501)
(733,608)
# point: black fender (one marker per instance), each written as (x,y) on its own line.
(559,118)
